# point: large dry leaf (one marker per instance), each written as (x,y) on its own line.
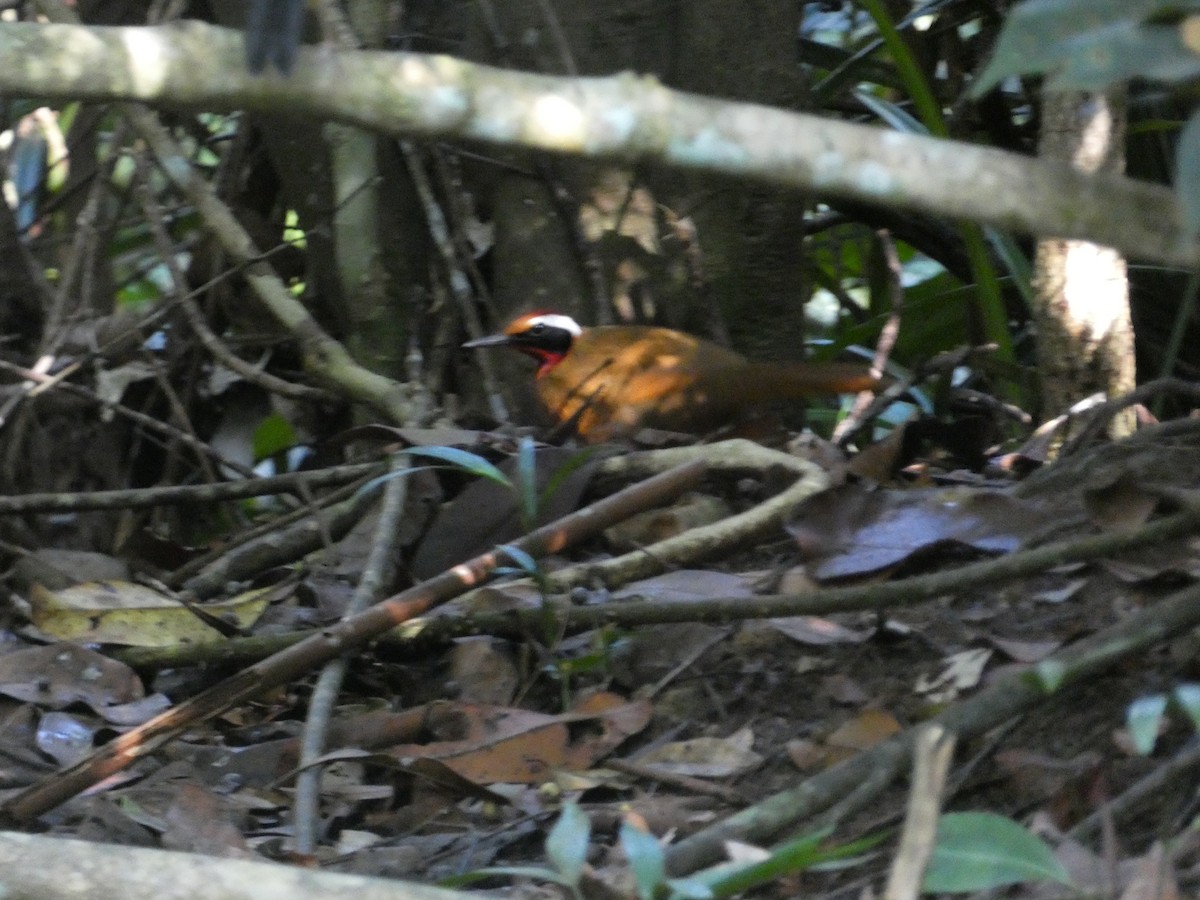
(121,612)
(486,513)
(489,744)
(706,757)
(61,674)
(848,531)
(864,731)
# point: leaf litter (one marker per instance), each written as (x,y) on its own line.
(460,755)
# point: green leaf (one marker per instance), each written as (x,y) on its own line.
(1006,248)
(1188,698)
(689,889)
(797,855)
(526,562)
(527,481)
(274,434)
(1038,35)
(891,113)
(1143,718)
(645,855)
(383,479)
(1122,51)
(1187,173)
(1050,674)
(980,851)
(567,843)
(468,462)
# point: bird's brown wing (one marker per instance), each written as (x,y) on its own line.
(617,380)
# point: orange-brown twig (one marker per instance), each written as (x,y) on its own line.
(344,637)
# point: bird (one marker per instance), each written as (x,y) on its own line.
(610,381)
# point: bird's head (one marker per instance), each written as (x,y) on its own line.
(545,336)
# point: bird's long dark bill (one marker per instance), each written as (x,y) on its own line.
(492,340)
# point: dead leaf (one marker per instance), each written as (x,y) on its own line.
(1062,594)
(61,674)
(486,513)
(864,731)
(488,744)
(687,584)
(706,757)
(1154,878)
(65,738)
(122,612)
(198,821)
(819,631)
(848,531)
(57,569)
(844,690)
(961,672)
(1121,505)
(1025,651)
(483,670)
(805,755)
(1036,779)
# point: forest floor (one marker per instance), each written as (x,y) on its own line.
(687,707)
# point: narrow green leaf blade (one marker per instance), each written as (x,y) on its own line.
(527,563)
(1143,719)
(1188,698)
(1187,173)
(469,462)
(645,855)
(567,843)
(527,481)
(980,851)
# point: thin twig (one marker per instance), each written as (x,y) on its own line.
(151,424)
(336,640)
(195,316)
(888,335)
(932,755)
(1007,697)
(175,495)
(376,573)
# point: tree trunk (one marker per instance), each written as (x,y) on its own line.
(1084,331)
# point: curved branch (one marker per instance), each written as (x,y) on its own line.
(623,117)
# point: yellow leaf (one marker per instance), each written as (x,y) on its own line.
(121,612)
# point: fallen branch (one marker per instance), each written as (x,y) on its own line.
(339,639)
(54,868)
(633,613)
(187,494)
(708,541)
(1008,697)
(624,117)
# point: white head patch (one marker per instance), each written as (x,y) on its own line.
(555,320)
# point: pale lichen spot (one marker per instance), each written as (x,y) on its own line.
(875,178)
(709,147)
(555,122)
(447,103)
(415,73)
(148,60)
(620,122)
(827,167)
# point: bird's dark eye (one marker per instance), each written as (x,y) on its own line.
(539,328)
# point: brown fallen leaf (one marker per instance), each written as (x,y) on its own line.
(489,744)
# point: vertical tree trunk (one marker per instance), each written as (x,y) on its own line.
(1084,330)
